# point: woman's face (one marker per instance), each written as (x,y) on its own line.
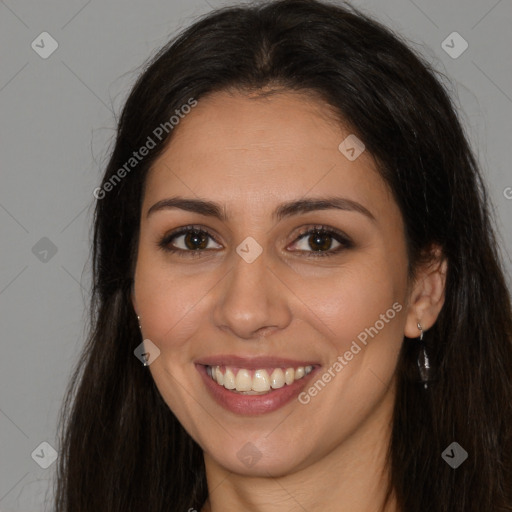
(261,300)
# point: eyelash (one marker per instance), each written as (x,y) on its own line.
(340,237)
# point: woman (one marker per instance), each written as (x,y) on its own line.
(298,298)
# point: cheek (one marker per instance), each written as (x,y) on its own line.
(169,302)
(354,301)
(363,314)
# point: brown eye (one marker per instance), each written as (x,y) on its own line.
(193,240)
(320,239)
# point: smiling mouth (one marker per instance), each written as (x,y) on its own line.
(256,382)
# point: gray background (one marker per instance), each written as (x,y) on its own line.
(57,123)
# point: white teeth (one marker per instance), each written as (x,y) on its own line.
(260,381)
(243,380)
(229,379)
(289,376)
(218,376)
(277,379)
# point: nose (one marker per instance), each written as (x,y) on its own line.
(252,301)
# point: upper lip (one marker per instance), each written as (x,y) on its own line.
(252,363)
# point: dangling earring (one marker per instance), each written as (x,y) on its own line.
(144,355)
(423,361)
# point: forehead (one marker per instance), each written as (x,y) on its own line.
(238,149)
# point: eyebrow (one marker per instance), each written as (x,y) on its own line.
(284,210)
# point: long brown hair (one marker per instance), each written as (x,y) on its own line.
(121,446)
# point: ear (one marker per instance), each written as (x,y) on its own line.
(427,294)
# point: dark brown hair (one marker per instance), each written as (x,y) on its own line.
(122,449)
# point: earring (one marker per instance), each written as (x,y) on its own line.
(423,361)
(138,319)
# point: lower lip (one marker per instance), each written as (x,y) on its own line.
(250,405)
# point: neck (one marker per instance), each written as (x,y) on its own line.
(353,477)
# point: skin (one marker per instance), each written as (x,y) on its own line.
(250,154)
